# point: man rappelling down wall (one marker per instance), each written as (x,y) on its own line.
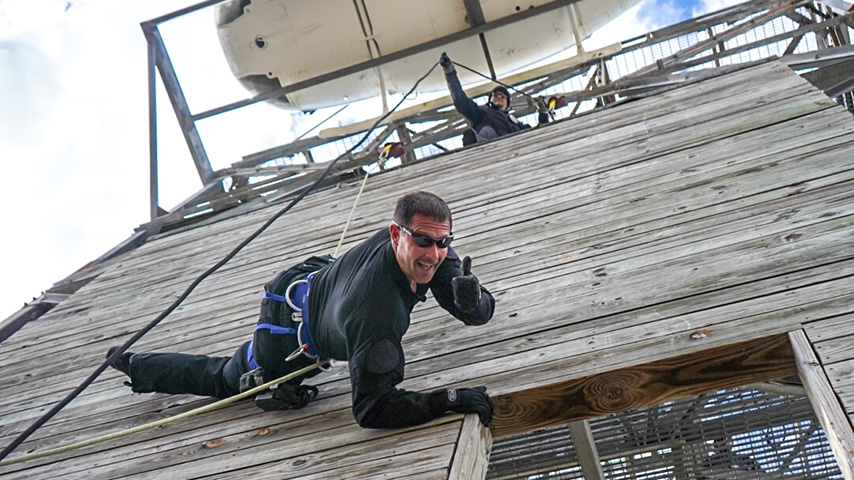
(356,308)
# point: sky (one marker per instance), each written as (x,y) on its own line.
(74,123)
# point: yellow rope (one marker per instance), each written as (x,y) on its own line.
(148,426)
(380,164)
(347,225)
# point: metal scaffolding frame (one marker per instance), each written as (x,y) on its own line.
(809,36)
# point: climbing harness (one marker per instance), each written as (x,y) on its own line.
(119,351)
(298,301)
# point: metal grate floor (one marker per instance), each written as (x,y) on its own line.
(729,434)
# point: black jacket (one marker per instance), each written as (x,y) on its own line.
(359,309)
(487,122)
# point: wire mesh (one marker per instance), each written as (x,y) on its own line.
(729,434)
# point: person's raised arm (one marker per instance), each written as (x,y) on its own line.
(464,105)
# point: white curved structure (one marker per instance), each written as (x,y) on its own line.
(273,43)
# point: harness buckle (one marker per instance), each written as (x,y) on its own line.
(301,350)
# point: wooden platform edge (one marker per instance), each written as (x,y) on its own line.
(471,457)
(830,413)
(685,375)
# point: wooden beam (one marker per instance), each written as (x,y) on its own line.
(649,384)
(585,449)
(153,195)
(179,104)
(830,414)
(471,458)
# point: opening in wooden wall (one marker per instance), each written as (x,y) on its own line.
(764,431)
(686,375)
(672,418)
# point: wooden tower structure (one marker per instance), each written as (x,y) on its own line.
(691,232)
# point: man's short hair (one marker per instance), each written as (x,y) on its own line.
(422,202)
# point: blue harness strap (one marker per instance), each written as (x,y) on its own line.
(275,329)
(300,300)
(250,358)
(273,296)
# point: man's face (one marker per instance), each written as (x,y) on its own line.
(419,264)
(499,100)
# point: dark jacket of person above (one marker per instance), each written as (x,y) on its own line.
(358,310)
(487,121)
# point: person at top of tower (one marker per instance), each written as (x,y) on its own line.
(356,309)
(491,120)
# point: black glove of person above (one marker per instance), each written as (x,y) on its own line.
(466,289)
(543,106)
(467,400)
(446,63)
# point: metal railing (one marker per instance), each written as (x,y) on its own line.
(692,50)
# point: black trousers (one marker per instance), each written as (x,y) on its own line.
(180,373)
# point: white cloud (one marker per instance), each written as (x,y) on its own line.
(624,27)
(73,136)
(74,129)
(20,17)
(707,6)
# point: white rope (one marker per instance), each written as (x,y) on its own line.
(157,423)
(380,165)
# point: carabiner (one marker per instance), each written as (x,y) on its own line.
(288,294)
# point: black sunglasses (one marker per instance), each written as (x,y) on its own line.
(425,240)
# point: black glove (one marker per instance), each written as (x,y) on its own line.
(469,400)
(446,63)
(286,397)
(466,289)
(543,106)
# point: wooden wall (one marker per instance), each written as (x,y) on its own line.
(721,209)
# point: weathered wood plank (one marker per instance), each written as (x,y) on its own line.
(387,451)
(585,449)
(830,414)
(829,329)
(195,462)
(471,457)
(658,312)
(836,350)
